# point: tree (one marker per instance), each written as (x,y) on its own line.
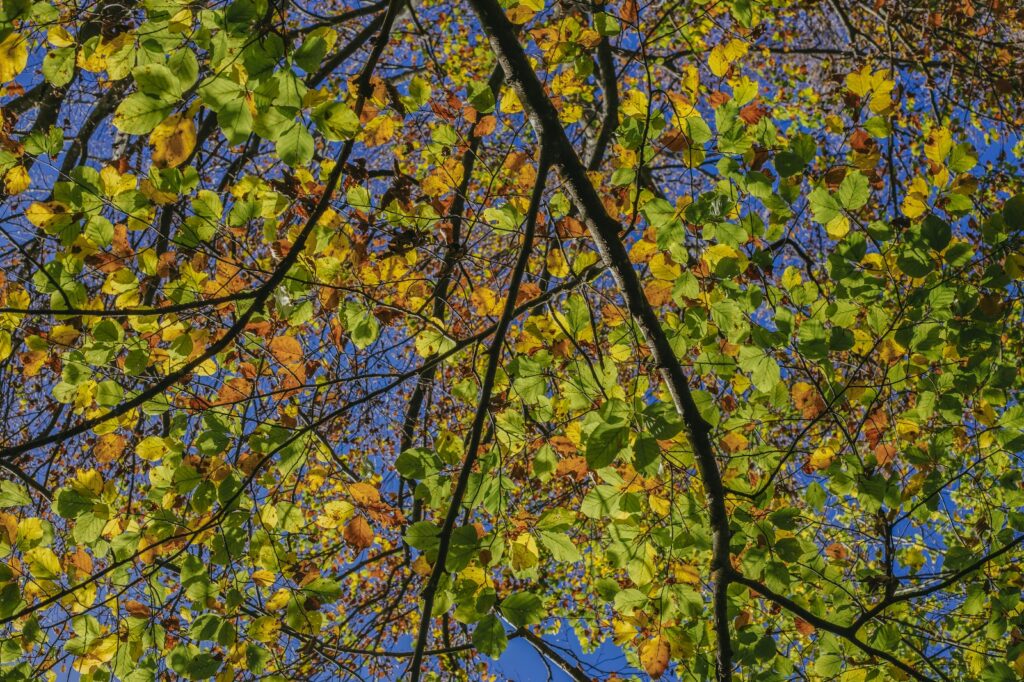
(348,340)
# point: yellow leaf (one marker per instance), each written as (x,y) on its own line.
(635,104)
(115,183)
(557,265)
(173,141)
(43,563)
(723,56)
(734,442)
(263,577)
(100,651)
(791,277)
(17,181)
(838,227)
(378,131)
(59,37)
(13,57)
(265,628)
(662,267)
(823,457)
(444,178)
(486,302)
(916,201)
(48,214)
(524,10)
(88,482)
(939,144)
(687,573)
(335,513)
(524,552)
(152,448)
(715,254)
(279,599)
(654,655)
(659,505)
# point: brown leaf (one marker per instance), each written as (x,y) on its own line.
(875,426)
(837,552)
(358,533)
(109,447)
(572,466)
(233,391)
(629,12)
(742,620)
(527,291)
(286,349)
(718,98)
(733,442)
(885,453)
(137,609)
(654,654)
(861,142)
(834,177)
(485,126)
(81,560)
(807,399)
(803,627)
(752,113)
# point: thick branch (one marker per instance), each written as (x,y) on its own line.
(604,230)
(477,428)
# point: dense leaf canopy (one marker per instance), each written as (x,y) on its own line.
(347,340)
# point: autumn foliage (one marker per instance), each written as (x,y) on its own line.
(351,340)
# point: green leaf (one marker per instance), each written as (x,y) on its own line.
(156,80)
(70,503)
(853,191)
(417,463)
(423,535)
(523,608)
(560,545)
(59,66)
(828,664)
(295,146)
(787,164)
(936,232)
(823,206)
(336,121)
(1013,212)
(210,627)
(606,441)
(13,495)
(139,113)
(109,393)
(764,371)
(606,24)
(489,637)
(361,324)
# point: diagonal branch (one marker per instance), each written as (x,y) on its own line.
(844,631)
(604,230)
(477,428)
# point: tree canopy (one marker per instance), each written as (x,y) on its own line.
(352,340)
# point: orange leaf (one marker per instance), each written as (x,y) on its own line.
(803,627)
(885,453)
(358,533)
(286,349)
(654,655)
